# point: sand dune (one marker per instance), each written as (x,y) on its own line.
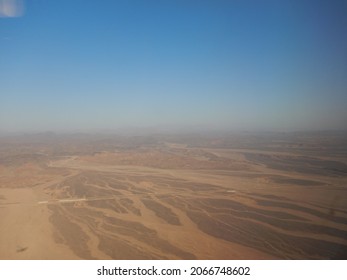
(173,201)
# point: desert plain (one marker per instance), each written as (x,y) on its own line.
(174,196)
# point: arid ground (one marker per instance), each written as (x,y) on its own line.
(196,196)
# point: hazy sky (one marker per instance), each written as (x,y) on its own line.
(235,64)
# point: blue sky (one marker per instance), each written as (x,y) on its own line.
(237,64)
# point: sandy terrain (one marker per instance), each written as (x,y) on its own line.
(166,197)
